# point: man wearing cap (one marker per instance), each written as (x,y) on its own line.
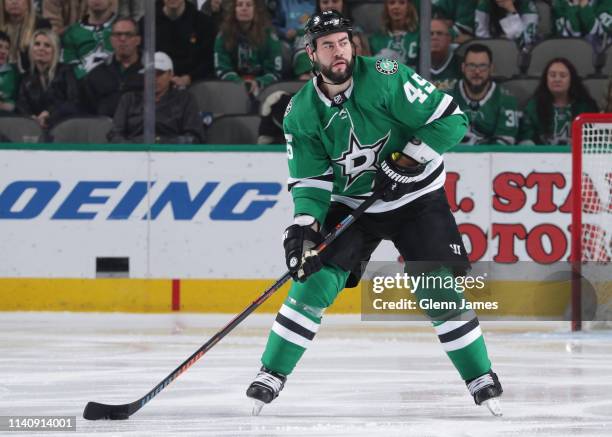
(177,119)
(362,127)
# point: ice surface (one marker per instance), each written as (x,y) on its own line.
(357,379)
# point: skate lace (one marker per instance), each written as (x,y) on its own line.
(480,382)
(270,381)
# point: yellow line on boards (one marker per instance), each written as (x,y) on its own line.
(522,298)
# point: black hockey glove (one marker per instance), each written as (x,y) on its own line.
(299,242)
(395,180)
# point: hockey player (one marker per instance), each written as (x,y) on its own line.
(493,111)
(364,125)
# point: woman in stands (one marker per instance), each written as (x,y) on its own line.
(512,19)
(247,49)
(399,38)
(49,92)
(19,20)
(559,97)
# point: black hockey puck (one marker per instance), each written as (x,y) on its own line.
(118,416)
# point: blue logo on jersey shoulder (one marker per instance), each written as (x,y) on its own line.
(387,66)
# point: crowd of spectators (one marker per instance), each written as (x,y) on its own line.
(65,58)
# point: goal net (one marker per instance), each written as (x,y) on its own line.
(592,221)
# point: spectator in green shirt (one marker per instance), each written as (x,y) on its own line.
(559,97)
(445,64)
(399,38)
(8,77)
(247,49)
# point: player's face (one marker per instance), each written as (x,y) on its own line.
(440,36)
(558,78)
(477,70)
(328,5)
(334,56)
(4,52)
(245,11)
(397,9)
(42,50)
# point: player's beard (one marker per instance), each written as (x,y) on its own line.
(339,77)
(477,88)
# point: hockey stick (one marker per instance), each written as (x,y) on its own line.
(95,410)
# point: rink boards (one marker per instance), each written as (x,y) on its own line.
(200,227)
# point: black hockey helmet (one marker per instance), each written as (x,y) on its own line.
(326,23)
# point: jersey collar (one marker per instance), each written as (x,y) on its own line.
(324,98)
(446,63)
(482,101)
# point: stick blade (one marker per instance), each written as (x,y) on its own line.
(96,411)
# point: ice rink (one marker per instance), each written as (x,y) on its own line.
(357,379)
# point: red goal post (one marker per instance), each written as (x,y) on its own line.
(591,213)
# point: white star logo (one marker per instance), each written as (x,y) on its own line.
(358,158)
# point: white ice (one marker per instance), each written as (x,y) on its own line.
(357,379)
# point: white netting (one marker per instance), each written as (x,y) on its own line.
(596,253)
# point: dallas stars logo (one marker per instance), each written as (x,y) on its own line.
(358,158)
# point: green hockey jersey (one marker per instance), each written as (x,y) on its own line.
(86,46)
(532,131)
(9,83)
(264,63)
(401,46)
(521,27)
(446,76)
(593,19)
(334,146)
(461,13)
(300,61)
(493,120)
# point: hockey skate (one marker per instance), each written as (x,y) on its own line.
(265,388)
(486,390)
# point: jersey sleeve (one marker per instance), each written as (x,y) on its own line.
(432,115)
(481,19)
(464,21)
(69,51)
(604,15)
(224,67)
(272,61)
(310,172)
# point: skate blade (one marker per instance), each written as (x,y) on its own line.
(494,406)
(257,406)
